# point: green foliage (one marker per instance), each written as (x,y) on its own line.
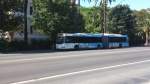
(143,19)
(59,16)
(92,19)
(56,16)
(96,1)
(122,21)
(9,22)
(143,22)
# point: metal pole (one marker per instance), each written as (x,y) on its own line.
(79,6)
(25,22)
(105,16)
(104,20)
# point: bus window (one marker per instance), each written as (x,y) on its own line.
(60,40)
(117,39)
(70,39)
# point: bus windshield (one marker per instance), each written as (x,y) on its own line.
(60,40)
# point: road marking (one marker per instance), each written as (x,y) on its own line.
(80,72)
(68,56)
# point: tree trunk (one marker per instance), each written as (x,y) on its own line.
(147,37)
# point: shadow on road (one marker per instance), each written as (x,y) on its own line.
(43,51)
(52,51)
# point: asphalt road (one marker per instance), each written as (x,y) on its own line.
(110,66)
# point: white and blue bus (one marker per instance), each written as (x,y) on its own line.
(89,41)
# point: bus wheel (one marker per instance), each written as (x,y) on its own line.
(98,46)
(76,47)
(120,45)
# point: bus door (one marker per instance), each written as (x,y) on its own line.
(105,41)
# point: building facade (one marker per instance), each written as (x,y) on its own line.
(32,33)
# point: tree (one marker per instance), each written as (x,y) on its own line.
(96,19)
(123,21)
(56,16)
(92,19)
(147,29)
(143,22)
(103,12)
(96,1)
(8,22)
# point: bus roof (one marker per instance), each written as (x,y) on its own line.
(83,34)
(92,35)
(115,35)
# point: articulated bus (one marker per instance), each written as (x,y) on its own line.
(90,41)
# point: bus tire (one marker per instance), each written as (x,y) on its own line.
(120,45)
(98,46)
(76,47)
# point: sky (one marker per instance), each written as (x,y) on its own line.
(134,4)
